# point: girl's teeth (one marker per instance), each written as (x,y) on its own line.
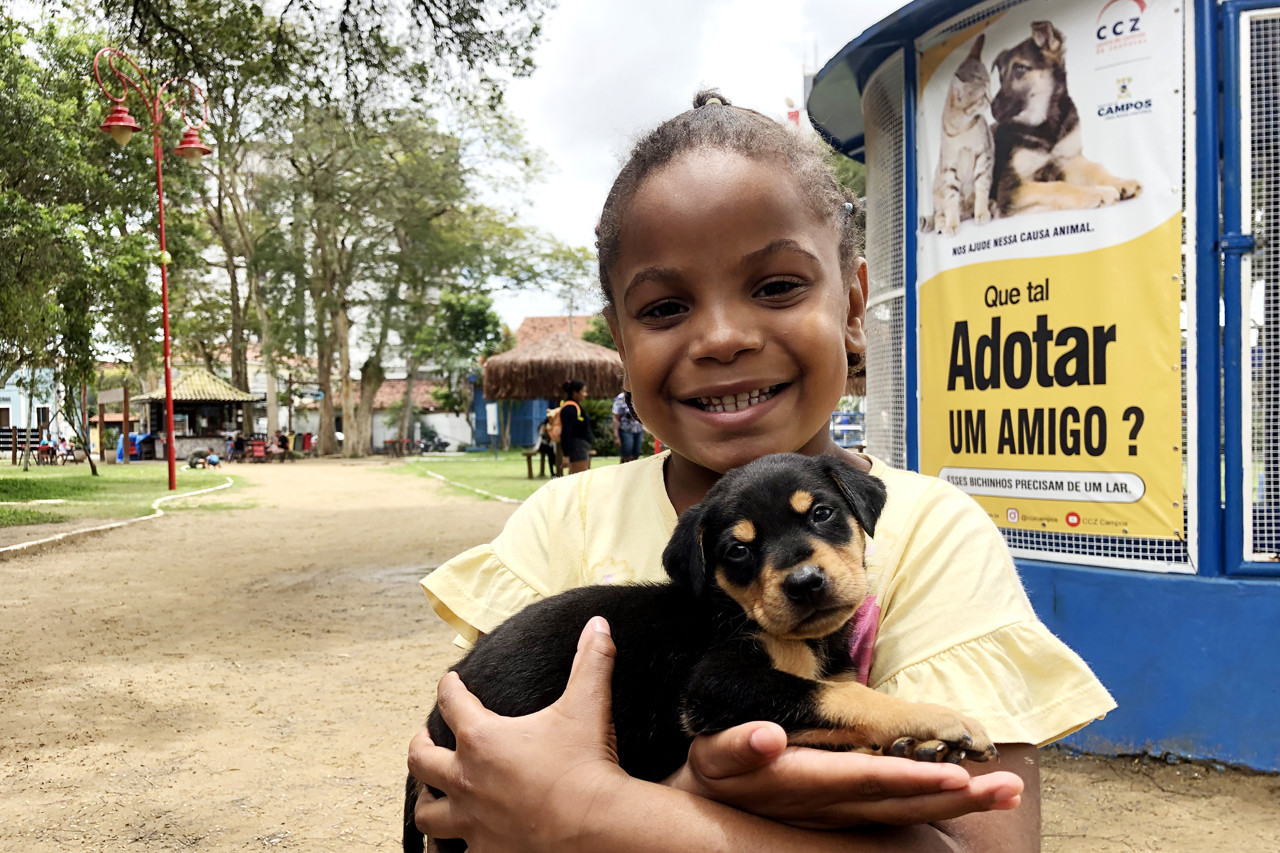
(736,402)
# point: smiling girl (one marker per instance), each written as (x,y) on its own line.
(735,292)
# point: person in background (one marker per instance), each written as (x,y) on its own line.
(628,432)
(575,434)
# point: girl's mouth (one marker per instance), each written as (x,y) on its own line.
(735,402)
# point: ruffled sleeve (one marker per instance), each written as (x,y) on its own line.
(480,588)
(1020,681)
(475,592)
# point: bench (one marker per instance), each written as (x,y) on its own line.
(542,463)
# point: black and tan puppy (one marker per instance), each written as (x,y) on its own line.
(1039,161)
(766,574)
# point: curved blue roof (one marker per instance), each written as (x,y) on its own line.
(835,101)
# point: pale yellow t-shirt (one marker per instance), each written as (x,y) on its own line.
(956,627)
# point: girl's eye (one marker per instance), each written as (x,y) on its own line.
(662,310)
(822,513)
(777,287)
(737,552)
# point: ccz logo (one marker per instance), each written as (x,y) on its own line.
(1120,18)
(1012,515)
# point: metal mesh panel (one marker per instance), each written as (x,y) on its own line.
(882,106)
(968,19)
(1261,296)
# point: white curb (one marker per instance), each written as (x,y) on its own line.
(502,498)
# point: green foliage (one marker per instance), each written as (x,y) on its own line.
(599,333)
(851,174)
(600,412)
(76,212)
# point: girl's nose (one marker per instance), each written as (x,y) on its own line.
(726,332)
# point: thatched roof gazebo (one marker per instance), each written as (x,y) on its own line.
(538,370)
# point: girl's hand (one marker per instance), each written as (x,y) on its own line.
(524,783)
(752,768)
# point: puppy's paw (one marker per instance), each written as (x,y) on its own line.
(1103,196)
(940,734)
(1128,188)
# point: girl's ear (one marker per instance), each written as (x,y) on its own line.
(683,557)
(855,334)
(611,318)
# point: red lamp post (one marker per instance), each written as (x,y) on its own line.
(121,126)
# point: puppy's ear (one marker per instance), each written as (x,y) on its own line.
(1046,36)
(683,558)
(864,494)
(1002,59)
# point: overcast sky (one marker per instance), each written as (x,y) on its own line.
(607,72)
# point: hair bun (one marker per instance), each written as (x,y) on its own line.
(710,97)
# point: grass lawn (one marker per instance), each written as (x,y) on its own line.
(120,491)
(507,476)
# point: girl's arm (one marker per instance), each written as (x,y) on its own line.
(551,781)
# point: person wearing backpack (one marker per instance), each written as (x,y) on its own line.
(575,426)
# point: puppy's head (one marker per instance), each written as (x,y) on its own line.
(783,537)
(1031,73)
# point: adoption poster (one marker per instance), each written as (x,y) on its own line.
(1050,192)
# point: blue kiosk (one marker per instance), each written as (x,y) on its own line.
(1073,233)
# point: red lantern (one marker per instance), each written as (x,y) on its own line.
(120,124)
(191,147)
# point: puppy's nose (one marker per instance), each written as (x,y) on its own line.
(806,585)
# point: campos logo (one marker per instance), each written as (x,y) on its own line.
(1120,19)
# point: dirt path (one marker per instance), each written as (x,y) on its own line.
(237,678)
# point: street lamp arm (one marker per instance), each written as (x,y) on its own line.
(156,105)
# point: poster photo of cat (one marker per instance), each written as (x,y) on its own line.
(1021,150)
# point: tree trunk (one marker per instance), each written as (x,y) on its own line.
(351,446)
(31,410)
(406,403)
(268,354)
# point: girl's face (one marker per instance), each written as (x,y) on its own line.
(730,311)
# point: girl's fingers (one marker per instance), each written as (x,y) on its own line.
(457,705)
(434,818)
(591,677)
(993,792)
(430,764)
(738,750)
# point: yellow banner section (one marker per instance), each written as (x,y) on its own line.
(1050,387)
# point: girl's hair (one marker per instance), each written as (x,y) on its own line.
(716,124)
(573,386)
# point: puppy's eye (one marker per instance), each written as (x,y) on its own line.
(821,513)
(1019,69)
(737,552)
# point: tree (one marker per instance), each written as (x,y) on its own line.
(471,47)
(599,333)
(74,211)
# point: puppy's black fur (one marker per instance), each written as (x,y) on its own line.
(766,574)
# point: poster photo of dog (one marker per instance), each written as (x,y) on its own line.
(1002,134)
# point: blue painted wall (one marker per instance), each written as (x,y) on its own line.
(1192,661)
(525,417)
